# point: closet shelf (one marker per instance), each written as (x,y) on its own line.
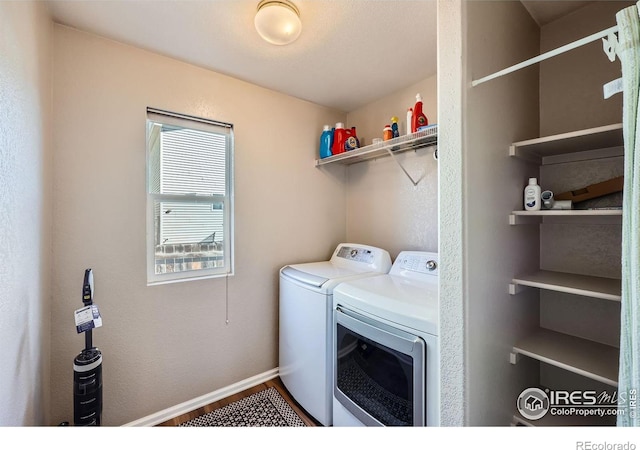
(595,287)
(528,217)
(587,358)
(413,141)
(599,142)
(565,421)
(570,212)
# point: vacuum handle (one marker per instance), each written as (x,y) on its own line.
(87,287)
(87,299)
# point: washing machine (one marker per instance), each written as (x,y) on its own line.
(385,351)
(306,332)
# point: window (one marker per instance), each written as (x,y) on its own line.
(189,197)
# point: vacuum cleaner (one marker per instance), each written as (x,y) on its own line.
(87,366)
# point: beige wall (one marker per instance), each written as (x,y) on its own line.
(25,212)
(384,208)
(163,345)
(571,96)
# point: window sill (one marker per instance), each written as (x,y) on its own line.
(195,278)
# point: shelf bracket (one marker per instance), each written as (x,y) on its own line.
(515,288)
(393,156)
(524,220)
(514,358)
(610,44)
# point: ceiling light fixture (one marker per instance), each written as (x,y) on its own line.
(278,21)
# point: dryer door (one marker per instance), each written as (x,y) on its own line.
(379,371)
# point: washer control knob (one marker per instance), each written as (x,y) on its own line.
(431,265)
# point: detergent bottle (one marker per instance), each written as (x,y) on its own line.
(355,135)
(418,119)
(532,195)
(394,127)
(351,141)
(339,136)
(326,142)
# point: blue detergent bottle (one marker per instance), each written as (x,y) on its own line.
(394,127)
(326,142)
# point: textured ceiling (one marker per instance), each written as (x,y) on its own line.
(350,53)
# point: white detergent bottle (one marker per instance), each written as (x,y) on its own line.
(532,192)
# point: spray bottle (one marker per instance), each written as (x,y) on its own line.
(418,119)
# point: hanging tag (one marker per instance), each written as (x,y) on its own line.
(87,318)
(610,45)
(612,88)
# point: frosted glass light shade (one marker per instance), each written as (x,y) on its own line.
(278,21)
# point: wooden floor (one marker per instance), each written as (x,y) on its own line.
(276,382)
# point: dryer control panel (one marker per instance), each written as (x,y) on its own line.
(363,255)
(420,262)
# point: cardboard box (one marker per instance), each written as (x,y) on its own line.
(593,190)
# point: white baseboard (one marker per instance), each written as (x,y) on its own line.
(190,405)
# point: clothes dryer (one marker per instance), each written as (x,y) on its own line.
(306,334)
(385,355)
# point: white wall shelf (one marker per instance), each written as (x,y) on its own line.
(420,139)
(592,143)
(587,358)
(595,287)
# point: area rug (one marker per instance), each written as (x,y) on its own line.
(263,409)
